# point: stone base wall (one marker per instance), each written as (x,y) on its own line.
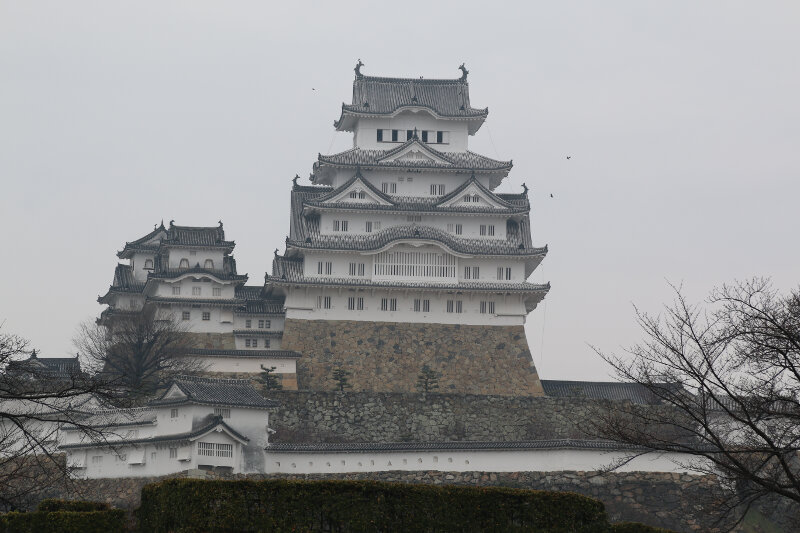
(306,416)
(288,381)
(388,356)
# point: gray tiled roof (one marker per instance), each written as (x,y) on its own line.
(45,367)
(382,96)
(457,161)
(250,292)
(207,237)
(355,447)
(123,283)
(109,418)
(222,302)
(422,204)
(599,390)
(212,391)
(261,307)
(170,273)
(259,333)
(379,239)
(275,354)
(199,428)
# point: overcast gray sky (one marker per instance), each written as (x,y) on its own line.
(681,118)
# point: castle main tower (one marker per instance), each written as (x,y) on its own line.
(401,255)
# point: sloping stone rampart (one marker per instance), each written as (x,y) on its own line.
(306,416)
(388,356)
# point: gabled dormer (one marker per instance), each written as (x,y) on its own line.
(414,151)
(355,190)
(472,193)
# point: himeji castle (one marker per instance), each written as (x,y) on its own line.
(401,254)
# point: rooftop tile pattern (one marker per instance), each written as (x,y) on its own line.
(350,447)
(599,390)
(463,161)
(211,391)
(275,354)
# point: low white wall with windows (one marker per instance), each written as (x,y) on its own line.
(463,461)
(408,183)
(401,306)
(141,265)
(257,322)
(188,258)
(457,225)
(243,341)
(195,286)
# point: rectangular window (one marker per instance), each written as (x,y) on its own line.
(132,304)
(153,456)
(380,136)
(335,225)
(450,228)
(417,305)
(394,136)
(266,343)
(247,343)
(196,291)
(351,303)
(361,269)
(424,136)
(433,189)
(440,137)
(319,267)
(389,187)
(351,269)
(260,323)
(487,307)
(422,305)
(409,134)
(491,230)
(467,198)
(414,218)
(499,272)
(483,229)
(224,412)
(393,304)
(323,302)
(173,413)
(476,272)
(328,268)
(360,304)
(459,306)
(267,324)
(368,226)
(216,291)
(224,450)
(254,343)
(248,323)
(467,273)
(426,306)
(459,229)
(206,315)
(97,459)
(441,190)
(186,315)
(384,304)
(450,306)
(508,273)
(205,448)
(176,291)
(344,225)
(173,453)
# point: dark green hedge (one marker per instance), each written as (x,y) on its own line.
(63,522)
(633,527)
(188,505)
(71,505)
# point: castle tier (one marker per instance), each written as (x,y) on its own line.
(401,254)
(190,273)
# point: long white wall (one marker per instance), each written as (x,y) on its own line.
(470,225)
(251,365)
(409,182)
(464,461)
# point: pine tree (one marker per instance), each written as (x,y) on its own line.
(269,379)
(340,377)
(428,379)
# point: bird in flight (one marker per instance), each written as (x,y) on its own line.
(551,195)
(313,89)
(569,157)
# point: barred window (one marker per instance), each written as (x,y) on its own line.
(360,304)
(384,304)
(248,323)
(323,302)
(173,453)
(368,226)
(459,229)
(206,315)
(351,303)
(224,450)
(411,263)
(393,304)
(196,291)
(186,315)
(223,412)
(267,324)
(176,291)
(487,307)
(205,448)
(216,291)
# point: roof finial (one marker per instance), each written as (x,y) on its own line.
(472,176)
(220,223)
(358,171)
(524,188)
(415,134)
(464,72)
(171,223)
(358,69)
(162,222)
(294,179)
(276,252)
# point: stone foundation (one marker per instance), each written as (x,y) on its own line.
(388,356)
(213,341)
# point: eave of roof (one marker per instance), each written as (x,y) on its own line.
(358,447)
(252,354)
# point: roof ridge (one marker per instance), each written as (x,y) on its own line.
(200,379)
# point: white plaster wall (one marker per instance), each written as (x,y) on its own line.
(164,288)
(247,364)
(464,461)
(137,263)
(301,304)
(220,320)
(365,132)
(260,342)
(470,224)
(240,322)
(201,254)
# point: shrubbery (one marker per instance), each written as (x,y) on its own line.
(185,505)
(71,505)
(63,522)
(633,527)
